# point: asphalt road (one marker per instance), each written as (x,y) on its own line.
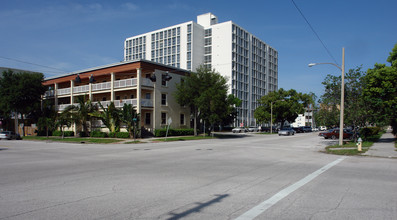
(245,177)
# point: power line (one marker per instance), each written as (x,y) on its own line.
(318,37)
(34,64)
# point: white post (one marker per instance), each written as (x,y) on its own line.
(138,89)
(56,95)
(112,87)
(71,92)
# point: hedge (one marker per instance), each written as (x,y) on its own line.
(98,134)
(367,132)
(173,132)
(65,133)
(119,135)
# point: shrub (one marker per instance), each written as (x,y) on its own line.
(65,133)
(82,134)
(56,133)
(68,133)
(173,132)
(112,134)
(367,132)
(122,135)
(98,134)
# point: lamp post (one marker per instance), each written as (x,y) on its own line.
(342,96)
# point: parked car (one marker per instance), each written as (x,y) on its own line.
(298,129)
(322,128)
(315,129)
(239,130)
(265,129)
(307,129)
(286,131)
(253,129)
(9,135)
(334,134)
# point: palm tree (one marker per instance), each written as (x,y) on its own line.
(81,112)
(110,116)
(131,118)
(47,119)
(64,119)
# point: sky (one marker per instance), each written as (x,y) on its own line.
(61,36)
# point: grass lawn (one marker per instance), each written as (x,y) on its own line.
(351,147)
(74,140)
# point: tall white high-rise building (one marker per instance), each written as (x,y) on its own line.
(250,65)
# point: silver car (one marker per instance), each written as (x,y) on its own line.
(239,130)
(286,131)
(253,129)
(9,135)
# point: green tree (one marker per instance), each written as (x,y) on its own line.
(64,119)
(131,118)
(355,106)
(380,91)
(81,113)
(205,92)
(110,116)
(286,106)
(356,110)
(47,118)
(21,93)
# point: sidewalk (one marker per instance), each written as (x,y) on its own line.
(384,147)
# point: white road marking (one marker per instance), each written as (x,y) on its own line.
(262,207)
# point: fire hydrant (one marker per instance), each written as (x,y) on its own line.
(359,144)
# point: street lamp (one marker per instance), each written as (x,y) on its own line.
(342,96)
(271,114)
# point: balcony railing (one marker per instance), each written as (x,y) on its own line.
(117,103)
(49,93)
(65,91)
(101,86)
(80,89)
(125,83)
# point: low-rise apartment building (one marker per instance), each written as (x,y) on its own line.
(147,85)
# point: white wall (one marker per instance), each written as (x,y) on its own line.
(222,50)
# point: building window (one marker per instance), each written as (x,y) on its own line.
(208,33)
(147,118)
(163,118)
(147,95)
(163,76)
(182,120)
(163,99)
(189,28)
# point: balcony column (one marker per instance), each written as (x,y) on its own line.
(112,87)
(90,91)
(154,102)
(71,91)
(138,89)
(56,94)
